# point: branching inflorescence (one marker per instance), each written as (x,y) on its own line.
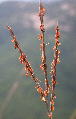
(48,93)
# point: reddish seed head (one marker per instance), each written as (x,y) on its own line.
(52,108)
(42,10)
(42,28)
(50,115)
(40,37)
(40,90)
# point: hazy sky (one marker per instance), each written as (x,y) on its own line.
(27,0)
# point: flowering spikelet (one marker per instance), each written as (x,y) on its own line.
(23,60)
(55,61)
(43,65)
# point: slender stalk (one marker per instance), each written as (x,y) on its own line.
(43,65)
(54,63)
(23,60)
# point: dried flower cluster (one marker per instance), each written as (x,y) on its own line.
(54,63)
(23,60)
(43,65)
(49,91)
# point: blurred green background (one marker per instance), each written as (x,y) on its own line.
(18,98)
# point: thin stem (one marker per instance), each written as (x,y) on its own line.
(23,60)
(43,66)
(54,63)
